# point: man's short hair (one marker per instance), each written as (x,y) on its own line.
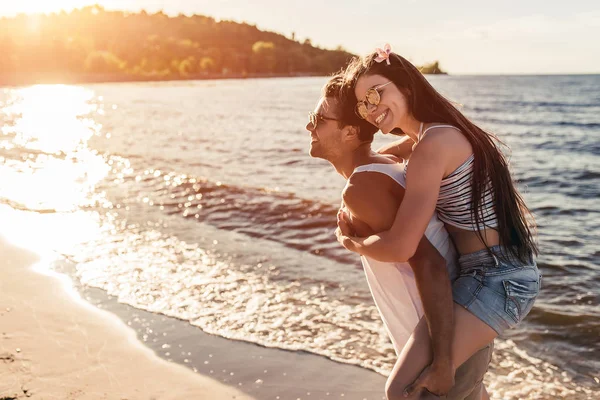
(346,102)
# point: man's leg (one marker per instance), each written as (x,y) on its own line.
(470,336)
(469,376)
(479,394)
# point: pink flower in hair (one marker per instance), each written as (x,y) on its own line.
(384,54)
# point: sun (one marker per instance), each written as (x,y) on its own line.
(42,6)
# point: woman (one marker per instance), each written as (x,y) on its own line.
(458,170)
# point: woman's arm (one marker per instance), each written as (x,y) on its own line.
(399,243)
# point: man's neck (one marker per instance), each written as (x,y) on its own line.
(360,156)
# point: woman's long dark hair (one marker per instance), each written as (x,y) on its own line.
(516,226)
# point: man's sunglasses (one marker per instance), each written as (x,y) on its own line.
(315,118)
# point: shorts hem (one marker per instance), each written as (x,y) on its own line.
(485,320)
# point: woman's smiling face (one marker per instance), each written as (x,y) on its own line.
(393,104)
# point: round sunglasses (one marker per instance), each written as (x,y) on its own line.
(372,97)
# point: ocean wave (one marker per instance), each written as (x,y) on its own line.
(539,123)
(550,104)
(22,207)
(298,223)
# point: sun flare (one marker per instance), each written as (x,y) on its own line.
(43,6)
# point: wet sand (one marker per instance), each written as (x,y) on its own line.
(54,345)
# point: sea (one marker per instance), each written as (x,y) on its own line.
(198,200)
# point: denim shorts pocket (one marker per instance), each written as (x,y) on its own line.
(520,296)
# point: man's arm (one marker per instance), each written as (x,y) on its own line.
(369,198)
(400,148)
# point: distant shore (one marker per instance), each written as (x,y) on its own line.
(23,79)
(34,79)
(151,47)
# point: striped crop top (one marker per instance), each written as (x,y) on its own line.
(454,204)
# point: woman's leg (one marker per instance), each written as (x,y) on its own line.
(470,335)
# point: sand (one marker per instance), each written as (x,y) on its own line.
(59,340)
(56,346)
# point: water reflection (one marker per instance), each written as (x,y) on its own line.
(46,167)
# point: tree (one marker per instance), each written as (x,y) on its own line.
(93,40)
(433,68)
(207,65)
(103,62)
(263,56)
(188,66)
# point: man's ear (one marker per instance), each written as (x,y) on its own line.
(350,132)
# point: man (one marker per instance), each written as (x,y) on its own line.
(403,293)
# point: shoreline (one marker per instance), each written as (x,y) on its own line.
(25,79)
(55,345)
(8,81)
(11,80)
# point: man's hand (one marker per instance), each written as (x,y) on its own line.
(437,378)
(393,157)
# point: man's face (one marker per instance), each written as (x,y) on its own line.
(326,136)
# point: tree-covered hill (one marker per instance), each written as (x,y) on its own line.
(95,44)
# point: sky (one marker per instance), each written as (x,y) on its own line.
(465,36)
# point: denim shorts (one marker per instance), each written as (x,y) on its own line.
(497,288)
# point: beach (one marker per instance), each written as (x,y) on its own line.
(56,345)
